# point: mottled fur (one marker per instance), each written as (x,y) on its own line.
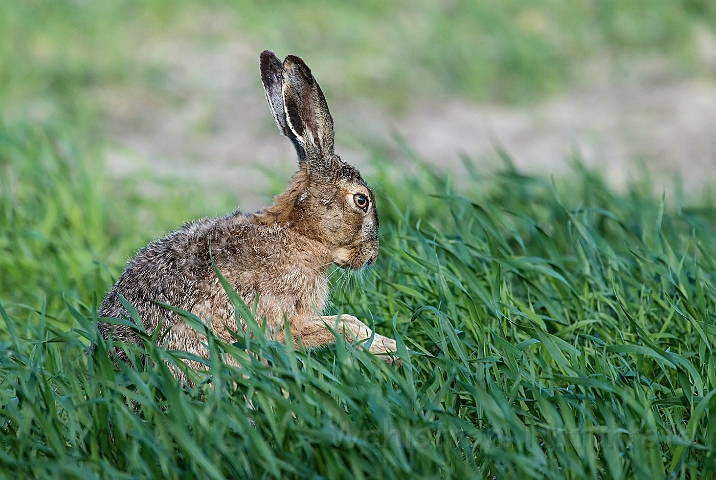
(281,254)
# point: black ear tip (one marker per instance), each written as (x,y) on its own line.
(293,61)
(267,54)
(270,68)
(269,59)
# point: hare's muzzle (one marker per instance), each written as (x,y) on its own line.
(354,258)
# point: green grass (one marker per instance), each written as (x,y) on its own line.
(549,330)
(63,221)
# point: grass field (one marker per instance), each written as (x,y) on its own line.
(547,328)
(553,331)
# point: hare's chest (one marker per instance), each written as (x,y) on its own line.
(285,271)
(290,292)
(293,291)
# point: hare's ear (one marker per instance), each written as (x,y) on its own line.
(272,78)
(306,109)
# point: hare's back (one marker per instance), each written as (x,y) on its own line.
(171,269)
(272,261)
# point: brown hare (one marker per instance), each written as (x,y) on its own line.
(326,215)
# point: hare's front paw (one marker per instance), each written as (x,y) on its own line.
(320,331)
(391,360)
(360,332)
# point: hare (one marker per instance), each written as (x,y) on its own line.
(326,215)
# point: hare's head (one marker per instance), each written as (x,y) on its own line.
(327,199)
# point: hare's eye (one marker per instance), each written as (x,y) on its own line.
(361,201)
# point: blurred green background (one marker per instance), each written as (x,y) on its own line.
(54,54)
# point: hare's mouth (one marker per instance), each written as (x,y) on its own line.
(343,265)
(344,257)
(354,265)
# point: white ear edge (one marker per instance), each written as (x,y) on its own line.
(299,138)
(274,112)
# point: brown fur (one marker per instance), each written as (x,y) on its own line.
(280,254)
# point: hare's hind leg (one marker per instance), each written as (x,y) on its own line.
(316,333)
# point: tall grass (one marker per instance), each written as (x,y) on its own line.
(546,329)
(66,229)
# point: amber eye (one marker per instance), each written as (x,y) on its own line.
(361,201)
